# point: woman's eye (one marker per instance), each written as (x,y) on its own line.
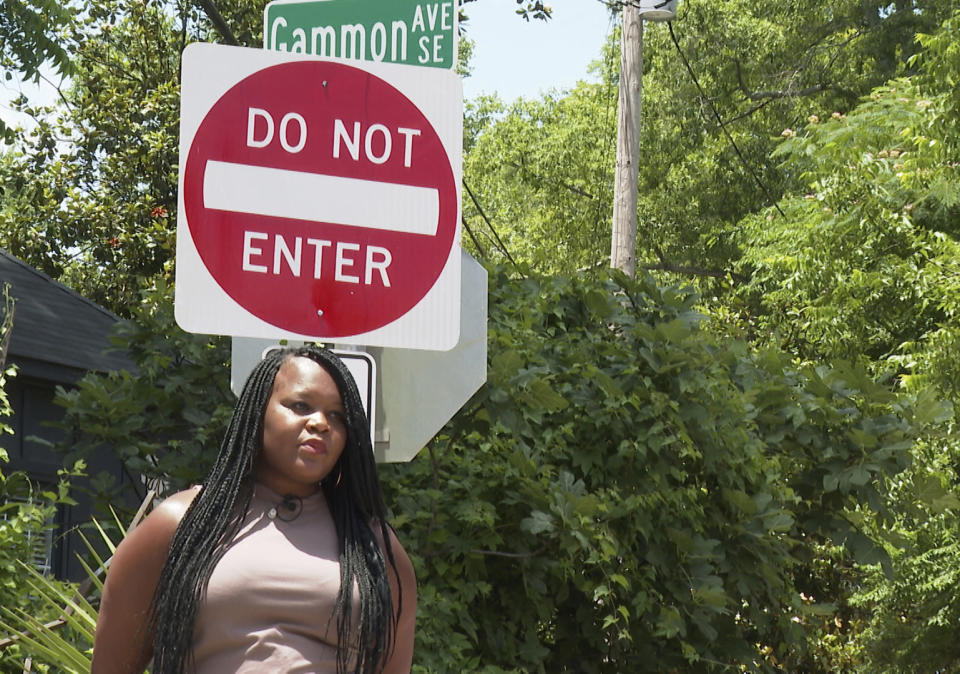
(338,417)
(299,407)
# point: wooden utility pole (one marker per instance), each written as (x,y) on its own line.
(623,245)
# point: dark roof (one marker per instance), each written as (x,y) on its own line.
(56,326)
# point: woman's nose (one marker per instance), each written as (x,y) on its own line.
(318,420)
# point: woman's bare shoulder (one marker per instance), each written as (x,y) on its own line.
(159,526)
(174,507)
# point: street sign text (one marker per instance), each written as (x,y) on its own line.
(412,32)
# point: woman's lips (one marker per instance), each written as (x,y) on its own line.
(315,446)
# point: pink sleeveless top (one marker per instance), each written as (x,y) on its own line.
(269,605)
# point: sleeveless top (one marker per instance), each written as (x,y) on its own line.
(269,604)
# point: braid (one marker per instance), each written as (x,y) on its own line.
(356,502)
(355,499)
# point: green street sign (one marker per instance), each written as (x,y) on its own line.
(413,32)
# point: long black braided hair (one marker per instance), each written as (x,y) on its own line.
(356,502)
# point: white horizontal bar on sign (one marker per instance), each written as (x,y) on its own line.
(317,197)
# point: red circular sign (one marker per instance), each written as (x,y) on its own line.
(320,198)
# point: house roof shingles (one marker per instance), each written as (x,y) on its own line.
(54,325)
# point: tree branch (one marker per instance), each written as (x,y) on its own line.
(787,93)
(733,143)
(694,271)
(773,94)
(744,115)
(473,238)
(210,9)
(536,176)
(510,555)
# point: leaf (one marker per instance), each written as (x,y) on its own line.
(504,366)
(537,523)
(711,595)
(599,303)
(741,500)
(673,331)
(669,623)
(859,476)
(864,550)
(820,609)
(607,384)
(541,396)
(708,630)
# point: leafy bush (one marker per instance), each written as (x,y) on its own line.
(64,645)
(630,493)
(165,421)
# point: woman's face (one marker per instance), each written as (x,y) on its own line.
(304,429)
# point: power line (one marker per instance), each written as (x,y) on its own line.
(483,215)
(723,127)
(473,238)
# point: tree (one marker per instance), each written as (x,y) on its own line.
(166,421)
(705,142)
(540,179)
(866,258)
(32,33)
(89,196)
(864,266)
(81,201)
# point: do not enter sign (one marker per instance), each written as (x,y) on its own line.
(319,197)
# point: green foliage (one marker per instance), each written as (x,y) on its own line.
(26,514)
(49,645)
(762,67)
(98,212)
(31,32)
(89,195)
(164,421)
(67,646)
(540,174)
(910,622)
(525,9)
(864,266)
(629,494)
(541,170)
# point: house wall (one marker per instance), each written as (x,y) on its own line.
(33,422)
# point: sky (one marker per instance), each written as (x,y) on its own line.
(511,57)
(39,94)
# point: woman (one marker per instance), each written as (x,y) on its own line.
(282,560)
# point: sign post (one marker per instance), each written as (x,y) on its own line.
(318,200)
